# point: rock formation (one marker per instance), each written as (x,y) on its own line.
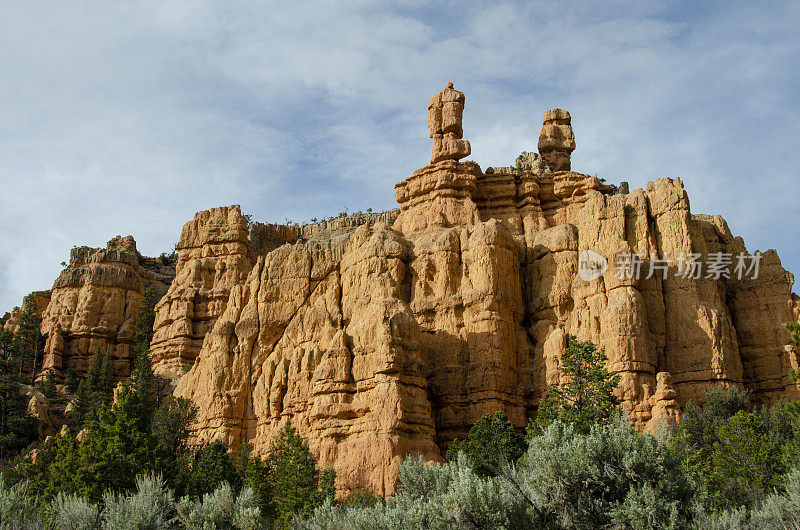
(216,251)
(212,258)
(380,342)
(386,335)
(556,141)
(10,321)
(93,305)
(445,111)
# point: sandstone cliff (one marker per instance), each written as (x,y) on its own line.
(93,305)
(216,251)
(385,335)
(380,342)
(10,321)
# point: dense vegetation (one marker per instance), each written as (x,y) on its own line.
(729,464)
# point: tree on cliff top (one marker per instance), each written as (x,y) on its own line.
(587,397)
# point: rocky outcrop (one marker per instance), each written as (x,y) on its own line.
(212,258)
(216,251)
(380,342)
(10,321)
(93,305)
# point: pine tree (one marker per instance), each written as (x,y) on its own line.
(297,485)
(17,427)
(212,467)
(143,336)
(587,397)
(170,425)
(492,441)
(28,338)
(94,392)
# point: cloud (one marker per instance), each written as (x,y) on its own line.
(128,117)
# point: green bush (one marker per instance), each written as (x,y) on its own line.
(17,508)
(70,512)
(610,476)
(739,456)
(492,442)
(221,508)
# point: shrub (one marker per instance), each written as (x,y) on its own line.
(17,509)
(492,442)
(434,496)
(151,506)
(612,475)
(70,512)
(221,509)
(739,457)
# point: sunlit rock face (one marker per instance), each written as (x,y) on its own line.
(391,335)
(92,306)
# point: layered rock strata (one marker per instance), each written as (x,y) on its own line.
(382,342)
(216,251)
(557,141)
(93,306)
(213,256)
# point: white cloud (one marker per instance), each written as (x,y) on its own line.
(129,117)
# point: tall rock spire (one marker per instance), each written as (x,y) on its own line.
(557,141)
(445,110)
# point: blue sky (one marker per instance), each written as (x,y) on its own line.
(118,118)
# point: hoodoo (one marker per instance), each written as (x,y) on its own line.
(380,336)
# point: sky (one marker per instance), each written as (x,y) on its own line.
(128,117)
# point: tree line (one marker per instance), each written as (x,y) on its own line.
(578,464)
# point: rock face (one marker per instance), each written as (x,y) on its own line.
(93,305)
(216,252)
(379,342)
(10,321)
(212,258)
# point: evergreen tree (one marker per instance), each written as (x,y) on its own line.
(48,386)
(28,339)
(145,319)
(492,441)
(143,336)
(794,329)
(297,485)
(587,397)
(213,466)
(142,385)
(72,379)
(170,426)
(17,427)
(94,392)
